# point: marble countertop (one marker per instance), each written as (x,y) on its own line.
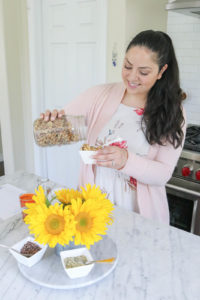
(156,262)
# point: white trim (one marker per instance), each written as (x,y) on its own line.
(25,89)
(34,10)
(6,131)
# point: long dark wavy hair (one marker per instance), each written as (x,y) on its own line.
(163,117)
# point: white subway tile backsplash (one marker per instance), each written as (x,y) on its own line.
(187,52)
(185,60)
(190,20)
(197,28)
(195,92)
(196,43)
(185,33)
(192,118)
(189,76)
(193,108)
(196,101)
(185,44)
(193,68)
(182,27)
(190,84)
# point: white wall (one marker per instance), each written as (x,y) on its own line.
(116,37)
(125,20)
(16,46)
(144,15)
(11,29)
(5,121)
(185,33)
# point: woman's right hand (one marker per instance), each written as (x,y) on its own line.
(51,116)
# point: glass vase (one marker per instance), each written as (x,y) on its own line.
(70,246)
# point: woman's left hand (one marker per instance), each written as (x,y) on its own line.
(111,157)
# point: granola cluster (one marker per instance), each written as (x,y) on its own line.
(58,132)
(87,147)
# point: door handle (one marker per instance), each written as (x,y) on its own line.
(181,189)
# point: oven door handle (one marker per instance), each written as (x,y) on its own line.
(181,189)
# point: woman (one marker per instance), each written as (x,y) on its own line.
(145,111)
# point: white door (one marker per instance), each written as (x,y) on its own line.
(74,58)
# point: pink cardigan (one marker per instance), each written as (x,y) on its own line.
(152,172)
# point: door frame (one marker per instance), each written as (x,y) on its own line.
(36,54)
(34,16)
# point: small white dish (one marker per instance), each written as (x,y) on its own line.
(86,157)
(28,261)
(81,271)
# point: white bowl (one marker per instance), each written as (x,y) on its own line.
(28,261)
(86,157)
(81,271)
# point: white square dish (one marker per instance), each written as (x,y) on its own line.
(86,157)
(81,271)
(28,261)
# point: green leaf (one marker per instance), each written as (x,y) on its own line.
(47,202)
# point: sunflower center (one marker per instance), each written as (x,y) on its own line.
(84,222)
(54,224)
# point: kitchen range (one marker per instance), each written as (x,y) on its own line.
(183,189)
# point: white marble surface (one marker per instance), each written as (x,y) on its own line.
(156,262)
(50,273)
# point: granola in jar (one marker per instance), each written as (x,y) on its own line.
(62,131)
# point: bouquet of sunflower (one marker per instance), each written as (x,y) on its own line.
(71,215)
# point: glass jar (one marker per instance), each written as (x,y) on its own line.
(46,184)
(66,130)
(24,199)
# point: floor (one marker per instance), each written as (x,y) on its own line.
(2,168)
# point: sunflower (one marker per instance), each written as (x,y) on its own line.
(33,211)
(66,195)
(92,192)
(51,225)
(39,198)
(85,220)
(91,222)
(101,202)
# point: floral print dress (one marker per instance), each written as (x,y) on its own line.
(124,124)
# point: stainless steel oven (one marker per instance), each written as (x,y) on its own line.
(183,189)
